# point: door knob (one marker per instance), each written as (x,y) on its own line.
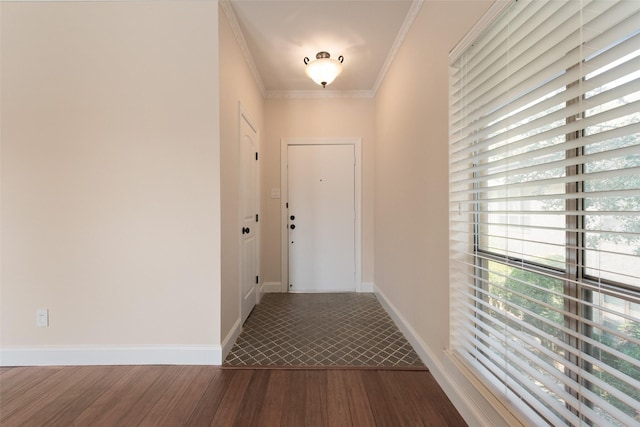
(292,217)
(292,226)
(246,230)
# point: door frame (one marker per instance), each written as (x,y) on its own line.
(284,196)
(243,115)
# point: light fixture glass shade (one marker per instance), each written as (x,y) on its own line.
(323,70)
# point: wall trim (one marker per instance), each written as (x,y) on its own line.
(321,93)
(230,339)
(492,406)
(415,7)
(271,287)
(111,355)
(365,287)
(412,13)
(478,412)
(227,8)
(485,21)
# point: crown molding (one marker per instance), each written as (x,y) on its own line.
(416,5)
(291,94)
(237,32)
(487,19)
(414,9)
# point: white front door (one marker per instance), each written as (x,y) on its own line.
(248,216)
(321,218)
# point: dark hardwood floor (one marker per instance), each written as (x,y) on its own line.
(208,395)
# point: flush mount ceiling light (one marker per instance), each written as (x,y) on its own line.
(323,70)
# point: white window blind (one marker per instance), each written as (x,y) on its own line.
(545,210)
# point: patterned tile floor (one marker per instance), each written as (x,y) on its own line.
(321,330)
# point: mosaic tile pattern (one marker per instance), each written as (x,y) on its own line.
(332,330)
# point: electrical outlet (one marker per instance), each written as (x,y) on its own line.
(42,317)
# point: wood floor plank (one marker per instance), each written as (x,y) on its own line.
(338,412)
(207,406)
(67,401)
(405,409)
(17,381)
(155,392)
(295,398)
(382,406)
(230,404)
(113,405)
(273,405)
(361,413)
(28,400)
(429,401)
(8,373)
(103,377)
(316,405)
(209,395)
(180,397)
(249,413)
(44,406)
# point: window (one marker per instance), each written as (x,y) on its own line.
(545,210)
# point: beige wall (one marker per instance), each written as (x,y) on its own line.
(237,85)
(116,173)
(312,118)
(110,173)
(411,182)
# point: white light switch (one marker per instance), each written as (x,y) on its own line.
(275,193)
(42,317)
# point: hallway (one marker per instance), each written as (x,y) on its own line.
(316,330)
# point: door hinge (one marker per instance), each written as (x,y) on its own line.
(287,205)
(256,279)
(256,155)
(256,217)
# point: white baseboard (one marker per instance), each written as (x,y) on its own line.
(478,412)
(111,355)
(271,287)
(230,339)
(276,287)
(365,287)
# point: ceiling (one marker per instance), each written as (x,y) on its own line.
(276,36)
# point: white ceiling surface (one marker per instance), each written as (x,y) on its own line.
(279,34)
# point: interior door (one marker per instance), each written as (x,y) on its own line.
(248,217)
(321,218)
